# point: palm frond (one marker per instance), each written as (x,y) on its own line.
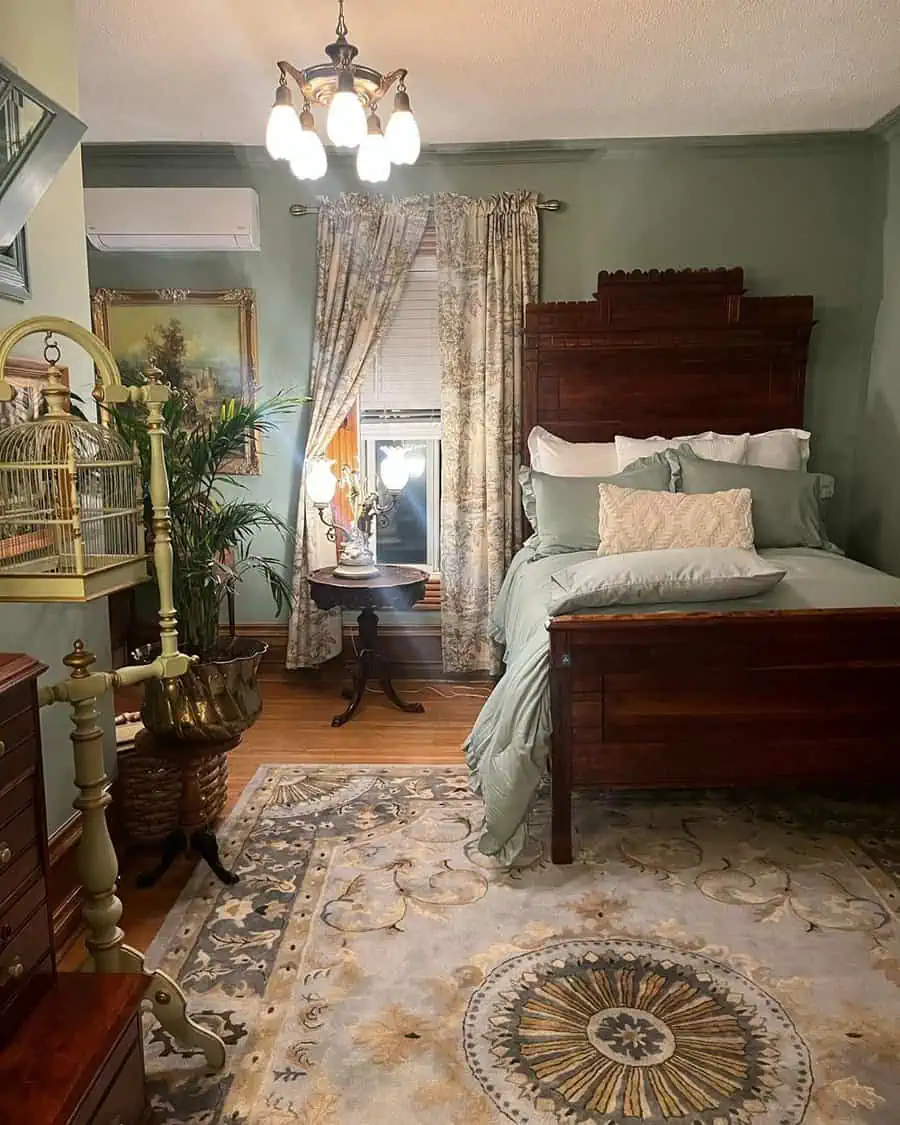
(213,532)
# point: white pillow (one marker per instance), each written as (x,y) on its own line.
(780,449)
(560,458)
(713,447)
(692,574)
(635,519)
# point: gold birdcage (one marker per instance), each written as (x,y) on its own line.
(71,507)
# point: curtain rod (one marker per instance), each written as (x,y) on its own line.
(298,209)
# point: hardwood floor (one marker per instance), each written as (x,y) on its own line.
(295,728)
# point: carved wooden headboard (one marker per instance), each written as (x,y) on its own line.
(665,352)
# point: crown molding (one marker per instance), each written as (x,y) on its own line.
(888,126)
(236,157)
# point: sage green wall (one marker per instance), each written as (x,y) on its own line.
(876,508)
(38,39)
(796,213)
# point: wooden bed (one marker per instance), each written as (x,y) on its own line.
(698,700)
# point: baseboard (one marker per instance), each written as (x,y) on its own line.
(64,886)
(413,650)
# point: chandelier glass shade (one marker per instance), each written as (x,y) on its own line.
(350,93)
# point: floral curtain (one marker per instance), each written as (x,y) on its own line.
(365,246)
(487,253)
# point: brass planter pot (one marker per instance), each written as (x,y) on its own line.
(215,700)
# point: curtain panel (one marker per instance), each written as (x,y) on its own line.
(488,251)
(365,247)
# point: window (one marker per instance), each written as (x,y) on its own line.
(401,404)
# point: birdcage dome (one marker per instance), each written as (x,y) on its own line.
(71,511)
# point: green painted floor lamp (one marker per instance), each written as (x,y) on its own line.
(72,529)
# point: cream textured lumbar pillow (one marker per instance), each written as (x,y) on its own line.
(633,519)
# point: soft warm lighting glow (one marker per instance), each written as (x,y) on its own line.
(309,161)
(394,470)
(321,482)
(283,130)
(415,462)
(346,124)
(373,162)
(402,133)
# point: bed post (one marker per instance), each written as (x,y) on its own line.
(561,747)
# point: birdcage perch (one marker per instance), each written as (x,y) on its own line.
(97,861)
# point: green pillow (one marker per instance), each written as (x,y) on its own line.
(565,511)
(787,505)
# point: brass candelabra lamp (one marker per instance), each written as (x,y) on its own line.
(73,525)
(356,558)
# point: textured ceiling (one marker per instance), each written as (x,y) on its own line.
(499,70)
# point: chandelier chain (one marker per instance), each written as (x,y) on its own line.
(341,29)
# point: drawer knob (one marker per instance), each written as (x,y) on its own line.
(2,747)
(5,854)
(15,970)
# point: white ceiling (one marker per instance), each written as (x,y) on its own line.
(499,70)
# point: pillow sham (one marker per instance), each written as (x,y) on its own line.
(686,574)
(717,447)
(565,508)
(634,520)
(787,504)
(560,458)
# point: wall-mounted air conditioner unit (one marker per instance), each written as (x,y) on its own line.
(163,220)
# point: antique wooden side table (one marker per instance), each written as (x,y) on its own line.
(394,587)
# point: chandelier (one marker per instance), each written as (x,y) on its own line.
(351,93)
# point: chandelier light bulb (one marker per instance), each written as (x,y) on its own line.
(402,133)
(309,161)
(283,129)
(346,123)
(373,161)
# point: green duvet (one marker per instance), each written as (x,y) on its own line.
(508,748)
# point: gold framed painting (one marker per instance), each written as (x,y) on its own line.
(204,343)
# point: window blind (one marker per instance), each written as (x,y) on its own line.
(405,369)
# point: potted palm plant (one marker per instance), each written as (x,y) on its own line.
(213,532)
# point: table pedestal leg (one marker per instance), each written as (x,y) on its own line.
(370,663)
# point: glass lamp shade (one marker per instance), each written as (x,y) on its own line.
(402,136)
(394,469)
(373,162)
(321,483)
(346,124)
(415,462)
(308,161)
(283,131)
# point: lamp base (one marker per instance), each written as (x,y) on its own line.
(356,568)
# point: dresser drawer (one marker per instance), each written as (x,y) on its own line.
(20,852)
(19,910)
(15,700)
(19,956)
(17,759)
(118,1096)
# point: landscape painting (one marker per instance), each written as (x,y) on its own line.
(203,342)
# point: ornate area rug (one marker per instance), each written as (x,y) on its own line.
(710,960)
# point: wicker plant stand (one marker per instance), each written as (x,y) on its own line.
(172,793)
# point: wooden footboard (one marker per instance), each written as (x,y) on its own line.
(702,700)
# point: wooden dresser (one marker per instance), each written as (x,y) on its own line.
(70,1043)
(27,966)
